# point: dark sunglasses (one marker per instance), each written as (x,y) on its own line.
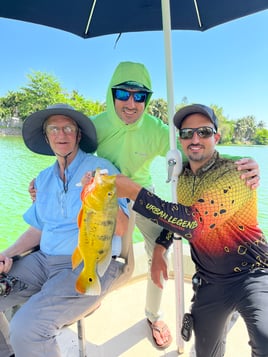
(124,95)
(203,132)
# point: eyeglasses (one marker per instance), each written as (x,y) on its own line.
(203,132)
(124,95)
(55,130)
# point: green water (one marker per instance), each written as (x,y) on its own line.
(19,166)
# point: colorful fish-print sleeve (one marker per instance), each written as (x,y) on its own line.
(177,218)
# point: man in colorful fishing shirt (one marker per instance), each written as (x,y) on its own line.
(217,213)
(46,281)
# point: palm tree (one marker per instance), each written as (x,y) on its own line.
(158,108)
(245,129)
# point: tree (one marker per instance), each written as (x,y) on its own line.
(42,90)
(87,107)
(261,124)
(9,105)
(245,129)
(158,108)
(261,137)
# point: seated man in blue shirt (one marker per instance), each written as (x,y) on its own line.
(47,280)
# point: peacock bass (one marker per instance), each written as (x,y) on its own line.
(96,222)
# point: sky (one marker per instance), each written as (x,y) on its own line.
(226,65)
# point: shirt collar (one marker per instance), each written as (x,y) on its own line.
(205,167)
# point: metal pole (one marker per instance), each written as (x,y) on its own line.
(174,164)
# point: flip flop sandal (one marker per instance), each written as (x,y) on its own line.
(160,331)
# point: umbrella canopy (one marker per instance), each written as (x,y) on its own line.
(91,18)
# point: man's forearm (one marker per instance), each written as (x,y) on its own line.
(174,217)
(25,242)
(126,187)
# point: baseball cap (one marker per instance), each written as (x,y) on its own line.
(192,109)
(132,85)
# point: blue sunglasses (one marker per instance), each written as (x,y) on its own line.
(124,95)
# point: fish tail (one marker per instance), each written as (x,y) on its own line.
(89,285)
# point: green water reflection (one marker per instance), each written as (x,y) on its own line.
(19,166)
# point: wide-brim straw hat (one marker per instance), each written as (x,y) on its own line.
(34,136)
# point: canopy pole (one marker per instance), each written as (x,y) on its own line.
(174,163)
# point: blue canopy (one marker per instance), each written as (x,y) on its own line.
(91,18)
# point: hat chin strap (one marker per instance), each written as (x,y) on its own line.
(65,172)
(65,176)
(64,156)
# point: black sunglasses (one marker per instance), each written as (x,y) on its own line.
(124,95)
(203,132)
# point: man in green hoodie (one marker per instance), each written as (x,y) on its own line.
(131,139)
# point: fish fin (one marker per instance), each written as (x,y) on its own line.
(88,285)
(79,218)
(76,258)
(103,264)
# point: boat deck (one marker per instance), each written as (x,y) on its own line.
(119,328)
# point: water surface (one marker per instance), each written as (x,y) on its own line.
(19,165)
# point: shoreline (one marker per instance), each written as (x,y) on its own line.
(10,131)
(16,131)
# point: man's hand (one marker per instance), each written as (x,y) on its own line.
(159,266)
(252,173)
(32,190)
(121,223)
(87,178)
(5,264)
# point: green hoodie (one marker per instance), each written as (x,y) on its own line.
(133,147)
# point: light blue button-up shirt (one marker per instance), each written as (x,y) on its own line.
(55,211)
